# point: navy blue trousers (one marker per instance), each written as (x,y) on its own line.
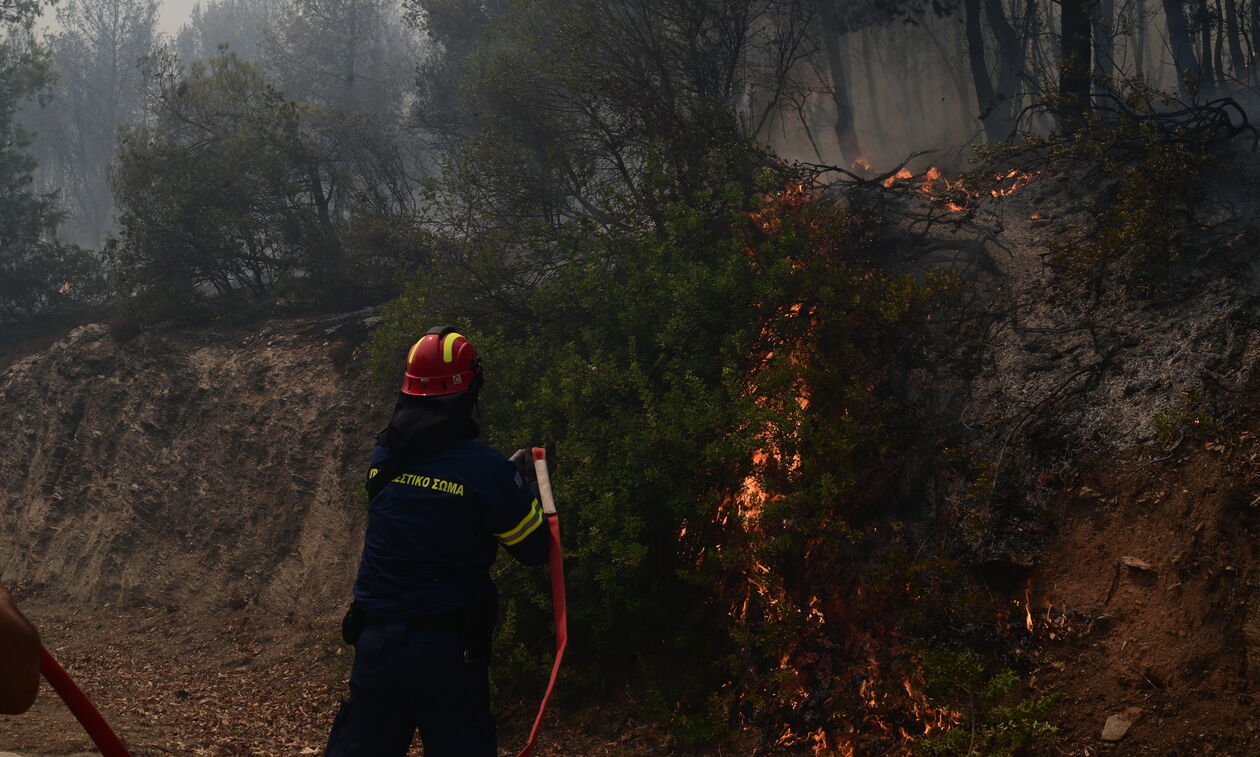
(408,680)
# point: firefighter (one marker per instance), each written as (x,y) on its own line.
(19,658)
(424,605)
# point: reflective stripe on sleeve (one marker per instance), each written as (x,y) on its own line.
(526,527)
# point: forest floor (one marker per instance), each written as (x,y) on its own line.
(172,681)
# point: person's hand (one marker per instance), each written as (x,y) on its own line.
(19,658)
(523,459)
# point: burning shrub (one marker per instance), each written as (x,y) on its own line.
(824,584)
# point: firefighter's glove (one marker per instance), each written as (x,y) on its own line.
(523,459)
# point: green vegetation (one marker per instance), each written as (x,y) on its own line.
(995,718)
(1190,414)
(235,194)
(686,315)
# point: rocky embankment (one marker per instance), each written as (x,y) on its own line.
(179,469)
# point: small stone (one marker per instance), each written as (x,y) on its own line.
(1118,725)
(1138,563)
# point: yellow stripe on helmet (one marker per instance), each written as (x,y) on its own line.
(448,347)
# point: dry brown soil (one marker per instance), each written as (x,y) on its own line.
(192,683)
(1142,601)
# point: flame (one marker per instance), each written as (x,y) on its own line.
(1028,618)
(821,741)
(902,174)
(861,165)
(1014,181)
(64,288)
(957,196)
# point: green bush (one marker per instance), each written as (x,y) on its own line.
(663,364)
(233,195)
(995,720)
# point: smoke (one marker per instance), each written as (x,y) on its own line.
(909,90)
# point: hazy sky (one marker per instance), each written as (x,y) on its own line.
(174,14)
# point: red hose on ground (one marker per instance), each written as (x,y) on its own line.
(558,606)
(102,735)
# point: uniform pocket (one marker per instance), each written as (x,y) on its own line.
(377,650)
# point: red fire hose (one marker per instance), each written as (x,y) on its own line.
(558,606)
(102,735)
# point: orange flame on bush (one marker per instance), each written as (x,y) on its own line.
(957,196)
(889,703)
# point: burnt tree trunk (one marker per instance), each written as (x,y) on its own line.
(1254,44)
(1188,72)
(1208,77)
(845,128)
(1139,41)
(1237,63)
(869,57)
(1075,51)
(1218,57)
(1010,69)
(985,95)
(1255,31)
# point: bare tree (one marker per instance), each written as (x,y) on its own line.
(97,90)
(1075,51)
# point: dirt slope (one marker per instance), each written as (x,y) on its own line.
(187,469)
(1142,601)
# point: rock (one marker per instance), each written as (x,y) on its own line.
(1138,564)
(1118,725)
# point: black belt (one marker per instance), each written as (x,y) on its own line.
(451,621)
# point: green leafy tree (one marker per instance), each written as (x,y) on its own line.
(229,193)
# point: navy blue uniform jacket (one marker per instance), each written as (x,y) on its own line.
(433,532)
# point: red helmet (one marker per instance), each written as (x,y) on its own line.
(442,362)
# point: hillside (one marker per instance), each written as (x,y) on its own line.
(181,514)
(184,523)
(129,468)
(184,527)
